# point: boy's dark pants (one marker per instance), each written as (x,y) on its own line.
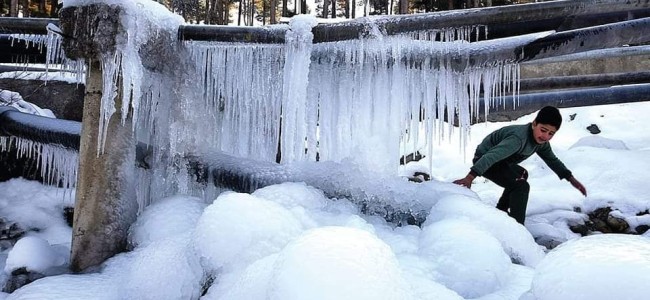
(512,178)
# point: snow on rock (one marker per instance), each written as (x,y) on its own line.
(16,101)
(293,194)
(252,283)
(610,266)
(168,217)
(165,269)
(600,142)
(452,247)
(514,238)
(241,228)
(34,254)
(71,287)
(337,263)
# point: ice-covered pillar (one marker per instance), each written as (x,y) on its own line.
(105,205)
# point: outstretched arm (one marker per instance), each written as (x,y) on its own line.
(576,184)
(467,181)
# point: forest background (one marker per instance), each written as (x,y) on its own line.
(264,12)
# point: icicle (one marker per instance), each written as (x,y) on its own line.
(294,91)
(58,165)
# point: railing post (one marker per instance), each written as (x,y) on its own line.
(105,204)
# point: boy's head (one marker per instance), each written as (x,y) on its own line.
(549,115)
(546,123)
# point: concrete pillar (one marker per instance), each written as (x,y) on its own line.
(105,204)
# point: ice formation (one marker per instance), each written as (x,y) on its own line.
(297,101)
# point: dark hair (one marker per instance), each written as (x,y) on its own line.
(549,115)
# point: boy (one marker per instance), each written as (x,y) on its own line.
(498,156)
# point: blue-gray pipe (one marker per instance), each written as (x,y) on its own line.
(40,129)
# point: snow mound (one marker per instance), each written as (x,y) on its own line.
(611,266)
(358,266)
(165,269)
(293,194)
(241,228)
(451,245)
(168,217)
(71,287)
(35,254)
(516,241)
(600,142)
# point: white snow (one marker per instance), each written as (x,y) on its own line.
(35,254)
(608,266)
(15,100)
(289,241)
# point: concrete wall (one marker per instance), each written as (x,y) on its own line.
(63,98)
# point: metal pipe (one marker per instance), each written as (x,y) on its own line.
(246,175)
(25,25)
(595,54)
(502,21)
(39,129)
(513,107)
(579,81)
(591,38)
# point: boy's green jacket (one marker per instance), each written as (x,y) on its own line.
(513,144)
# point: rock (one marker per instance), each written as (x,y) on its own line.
(600,225)
(9,234)
(617,225)
(600,213)
(641,229)
(593,129)
(581,229)
(419,177)
(68,215)
(572,117)
(19,278)
(411,157)
(548,242)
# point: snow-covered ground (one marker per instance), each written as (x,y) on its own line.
(289,241)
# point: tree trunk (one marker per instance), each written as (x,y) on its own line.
(347,9)
(326,8)
(354,9)
(263,12)
(450,4)
(26,9)
(285,8)
(252,12)
(274,6)
(13,8)
(333,9)
(219,12)
(366,7)
(208,9)
(226,12)
(403,7)
(41,7)
(240,12)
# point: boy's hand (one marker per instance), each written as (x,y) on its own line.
(576,184)
(466,182)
